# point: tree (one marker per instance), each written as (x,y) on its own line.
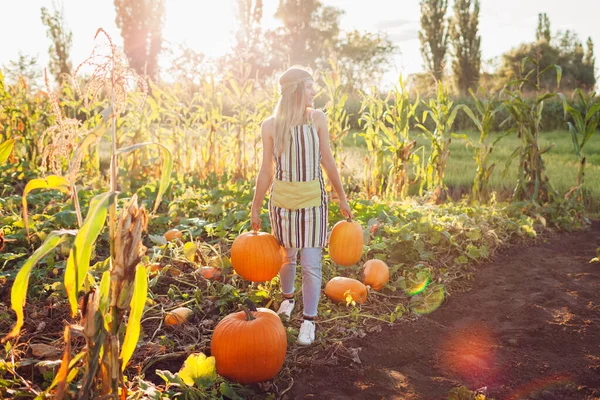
(309,33)
(543,28)
(363,58)
(590,60)
(249,14)
(141,23)
(466,42)
(26,68)
(60,66)
(434,35)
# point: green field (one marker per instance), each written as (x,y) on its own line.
(561,163)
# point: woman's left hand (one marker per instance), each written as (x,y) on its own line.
(345,209)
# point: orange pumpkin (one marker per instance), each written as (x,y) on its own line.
(337,287)
(210,273)
(249,346)
(256,256)
(376,274)
(346,243)
(178,316)
(173,234)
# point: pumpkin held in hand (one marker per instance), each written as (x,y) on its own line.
(249,346)
(337,288)
(256,256)
(346,243)
(376,274)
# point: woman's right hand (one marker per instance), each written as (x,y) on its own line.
(255,221)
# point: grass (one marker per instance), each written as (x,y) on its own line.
(561,163)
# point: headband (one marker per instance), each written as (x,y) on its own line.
(290,86)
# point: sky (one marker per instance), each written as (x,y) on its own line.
(208,26)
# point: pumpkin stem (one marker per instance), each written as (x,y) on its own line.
(250,304)
(249,316)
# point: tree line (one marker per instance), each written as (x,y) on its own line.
(310,34)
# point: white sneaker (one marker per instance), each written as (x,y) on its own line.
(307,333)
(286,308)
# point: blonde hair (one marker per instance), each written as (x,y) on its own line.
(290,109)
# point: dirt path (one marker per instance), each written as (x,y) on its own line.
(528,329)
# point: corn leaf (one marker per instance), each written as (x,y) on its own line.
(91,137)
(50,182)
(18,292)
(167,167)
(78,262)
(61,376)
(138,300)
(5,149)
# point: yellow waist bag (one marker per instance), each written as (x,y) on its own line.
(295,195)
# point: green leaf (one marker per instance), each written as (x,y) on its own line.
(229,392)
(50,182)
(18,292)
(78,262)
(104,293)
(138,300)
(198,370)
(167,168)
(5,149)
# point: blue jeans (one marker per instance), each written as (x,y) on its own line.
(310,260)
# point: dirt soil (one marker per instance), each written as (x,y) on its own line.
(528,328)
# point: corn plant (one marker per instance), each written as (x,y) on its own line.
(400,147)
(123,289)
(442,112)
(239,87)
(372,114)
(532,182)
(337,118)
(582,129)
(483,118)
(212,121)
(23,115)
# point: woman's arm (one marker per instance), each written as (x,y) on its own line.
(265,175)
(328,162)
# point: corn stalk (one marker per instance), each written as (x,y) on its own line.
(400,147)
(337,118)
(532,182)
(442,112)
(582,128)
(483,118)
(372,114)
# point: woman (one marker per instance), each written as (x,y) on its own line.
(295,146)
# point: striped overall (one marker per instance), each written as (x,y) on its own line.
(298,165)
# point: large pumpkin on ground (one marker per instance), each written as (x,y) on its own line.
(256,256)
(346,243)
(376,274)
(337,287)
(249,346)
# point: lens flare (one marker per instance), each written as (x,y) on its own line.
(428,300)
(415,281)
(470,353)
(537,386)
